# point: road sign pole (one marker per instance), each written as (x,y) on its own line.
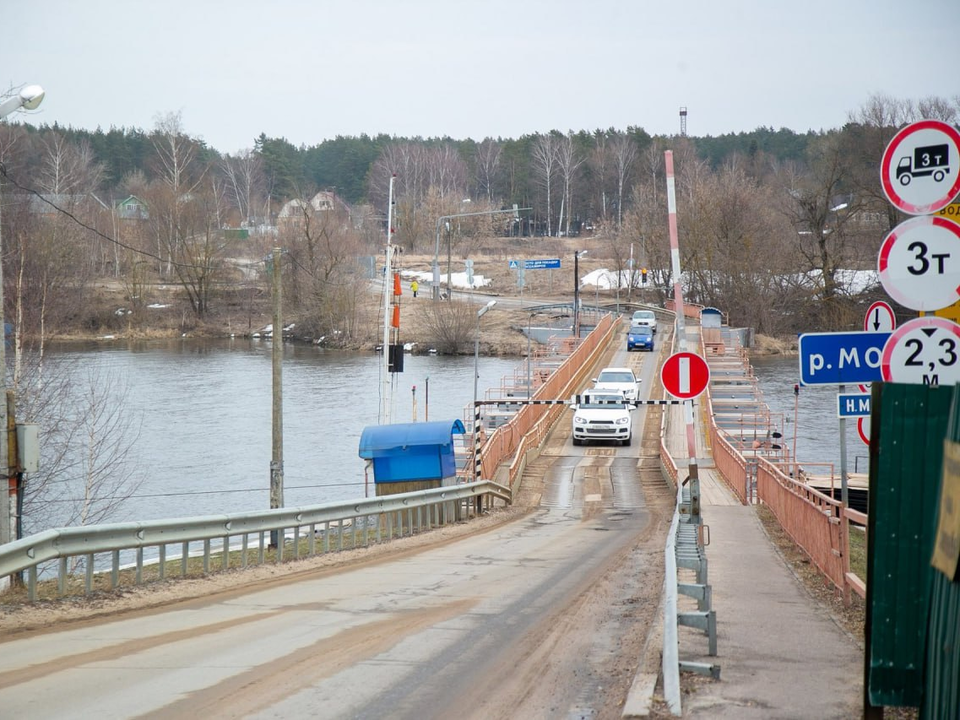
(843,457)
(692,469)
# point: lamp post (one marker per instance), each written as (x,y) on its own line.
(476,376)
(28,98)
(577,254)
(436,250)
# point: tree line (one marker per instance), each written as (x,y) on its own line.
(770,220)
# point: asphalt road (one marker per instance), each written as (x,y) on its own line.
(545,616)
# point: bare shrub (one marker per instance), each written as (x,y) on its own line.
(451,325)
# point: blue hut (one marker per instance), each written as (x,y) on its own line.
(421,453)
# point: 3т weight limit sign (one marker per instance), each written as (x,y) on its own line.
(919,263)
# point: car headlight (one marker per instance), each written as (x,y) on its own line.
(579,420)
(623,421)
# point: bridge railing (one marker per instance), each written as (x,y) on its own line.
(529,426)
(816,522)
(241,538)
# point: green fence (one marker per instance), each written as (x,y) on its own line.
(912,608)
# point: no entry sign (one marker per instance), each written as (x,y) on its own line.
(685,375)
(920,170)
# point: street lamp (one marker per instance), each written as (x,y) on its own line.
(577,254)
(436,250)
(28,98)
(476,376)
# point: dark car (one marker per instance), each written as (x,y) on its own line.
(640,337)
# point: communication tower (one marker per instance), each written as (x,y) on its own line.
(683,122)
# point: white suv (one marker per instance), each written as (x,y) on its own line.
(618,378)
(602,415)
(645,317)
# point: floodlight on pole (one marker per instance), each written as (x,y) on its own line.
(577,254)
(436,250)
(29,98)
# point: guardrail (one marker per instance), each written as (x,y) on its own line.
(379,518)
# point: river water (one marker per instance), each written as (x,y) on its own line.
(809,420)
(206,407)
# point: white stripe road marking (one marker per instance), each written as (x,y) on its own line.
(684,372)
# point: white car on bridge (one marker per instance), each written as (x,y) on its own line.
(619,379)
(602,415)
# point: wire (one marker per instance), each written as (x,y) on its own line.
(78,221)
(203,492)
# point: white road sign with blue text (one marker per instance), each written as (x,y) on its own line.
(841,358)
(853,405)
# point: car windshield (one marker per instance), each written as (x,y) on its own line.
(616,377)
(640,330)
(643,315)
(612,402)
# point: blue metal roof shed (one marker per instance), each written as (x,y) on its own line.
(411,451)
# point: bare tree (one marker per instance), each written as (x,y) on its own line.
(569,161)
(326,283)
(451,326)
(624,156)
(822,211)
(545,160)
(245,180)
(599,158)
(89,466)
(488,166)
(175,165)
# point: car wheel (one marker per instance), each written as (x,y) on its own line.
(628,440)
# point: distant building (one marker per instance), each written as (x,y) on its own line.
(132,208)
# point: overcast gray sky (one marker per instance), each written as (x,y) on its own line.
(309,70)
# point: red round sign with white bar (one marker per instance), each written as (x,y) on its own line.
(685,375)
(919,263)
(923,351)
(920,170)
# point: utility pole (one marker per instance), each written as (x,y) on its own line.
(276,462)
(386,401)
(6,513)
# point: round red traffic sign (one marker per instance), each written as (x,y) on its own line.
(879,318)
(923,351)
(863,429)
(685,375)
(919,263)
(920,170)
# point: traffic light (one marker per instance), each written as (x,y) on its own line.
(643,276)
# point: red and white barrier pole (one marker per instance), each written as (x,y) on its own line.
(682,336)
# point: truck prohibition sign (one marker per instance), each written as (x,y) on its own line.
(927,160)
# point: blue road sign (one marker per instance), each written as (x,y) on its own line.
(853,405)
(549,264)
(513,264)
(846,358)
